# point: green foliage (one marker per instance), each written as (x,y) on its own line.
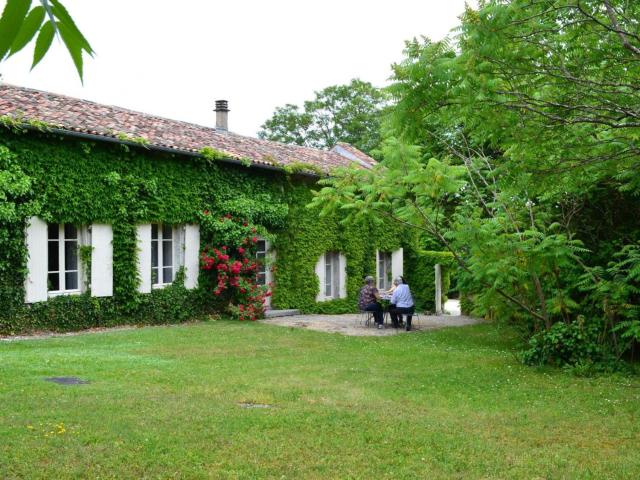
(516,149)
(303,167)
(212,154)
(17,123)
(341,113)
(65,313)
(568,344)
(139,141)
(19,24)
(84,255)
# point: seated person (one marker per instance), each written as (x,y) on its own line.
(368,301)
(401,303)
(394,286)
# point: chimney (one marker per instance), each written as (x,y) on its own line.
(222,115)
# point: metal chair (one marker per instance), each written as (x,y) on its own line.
(365,317)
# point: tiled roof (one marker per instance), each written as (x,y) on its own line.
(82,116)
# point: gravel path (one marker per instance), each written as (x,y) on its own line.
(348,324)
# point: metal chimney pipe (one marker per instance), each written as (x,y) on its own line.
(222,115)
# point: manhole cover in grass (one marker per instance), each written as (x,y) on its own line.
(67,380)
(254,405)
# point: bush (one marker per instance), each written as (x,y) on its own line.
(567,344)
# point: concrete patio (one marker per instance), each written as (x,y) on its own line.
(352,324)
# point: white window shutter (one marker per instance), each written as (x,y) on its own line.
(378,268)
(397,263)
(320,272)
(143,239)
(35,284)
(191,255)
(342,266)
(101,260)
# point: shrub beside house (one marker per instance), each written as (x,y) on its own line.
(101,217)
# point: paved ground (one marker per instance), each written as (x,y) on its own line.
(350,324)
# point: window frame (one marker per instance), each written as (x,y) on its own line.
(332,275)
(62,270)
(159,241)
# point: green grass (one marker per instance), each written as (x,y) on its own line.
(163,403)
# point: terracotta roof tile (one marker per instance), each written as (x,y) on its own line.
(76,115)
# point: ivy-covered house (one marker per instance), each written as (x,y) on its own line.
(103,216)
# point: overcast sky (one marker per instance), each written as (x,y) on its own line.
(175,58)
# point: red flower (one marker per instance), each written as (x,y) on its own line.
(240,250)
(253,229)
(206,212)
(254,239)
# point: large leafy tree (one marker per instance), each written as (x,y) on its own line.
(516,147)
(341,113)
(20,23)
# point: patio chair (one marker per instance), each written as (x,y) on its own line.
(365,318)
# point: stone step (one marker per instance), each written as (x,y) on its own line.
(280,313)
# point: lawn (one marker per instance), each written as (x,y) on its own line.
(165,402)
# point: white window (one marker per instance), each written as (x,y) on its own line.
(163,250)
(389,265)
(54,266)
(384,270)
(331,270)
(63,271)
(162,254)
(332,275)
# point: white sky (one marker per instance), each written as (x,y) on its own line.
(175,58)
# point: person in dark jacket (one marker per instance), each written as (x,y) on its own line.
(368,301)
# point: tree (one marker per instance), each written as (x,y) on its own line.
(20,23)
(349,113)
(514,147)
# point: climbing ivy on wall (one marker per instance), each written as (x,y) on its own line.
(67,180)
(299,249)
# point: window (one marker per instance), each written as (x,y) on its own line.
(261,254)
(63,271)
(384,270)
(162,272)
(331,270)
(332,275)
